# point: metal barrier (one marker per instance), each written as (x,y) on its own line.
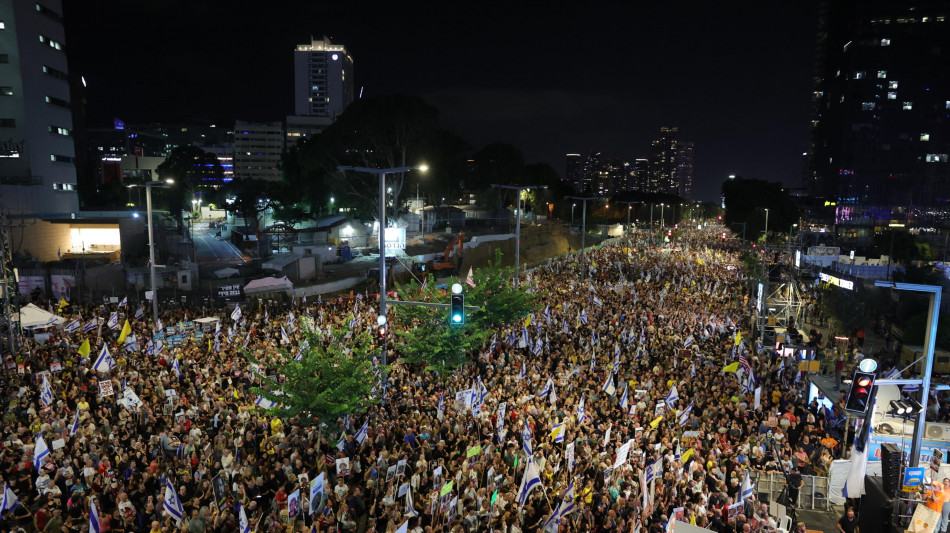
(812,496)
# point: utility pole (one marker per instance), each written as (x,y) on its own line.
(10,295)
(583,225)
(629,208)
(518,188)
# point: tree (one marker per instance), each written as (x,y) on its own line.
(191,168)
(747,200)
(905,247)
(331,379)
(426,337)
(251,198)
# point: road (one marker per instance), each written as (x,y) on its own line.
(212,251)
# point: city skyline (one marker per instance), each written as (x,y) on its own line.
(737,78)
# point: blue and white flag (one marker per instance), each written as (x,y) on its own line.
(46,391)
(524,342)
(10,501)
(361,434)
(243,525)
(689,342)
(854,484)
(597,302)
(74,427)
(523,372)
(346,423)
(341,444)
(440,412)
(113,322)
(654,470)
(583,316)
(609,385)
(564,328)
(95,526)
(481,392)
(580,410)
(176,367)
(91,325)
(748,489)
(537,347)
(264,403)
(494,343)
(530,481)
(140,312)
(683,416)
(672,397)
(171,503)
(124,302)
(547,388)
(566,507)
(72,327)
(236,314)
(526,440)
(104,362)
(624,402)
(558,432)
(692,369)
(284,339)
(40,451)
(547,314)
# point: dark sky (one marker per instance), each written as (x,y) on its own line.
(547,77)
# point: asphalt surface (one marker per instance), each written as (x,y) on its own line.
(214,251)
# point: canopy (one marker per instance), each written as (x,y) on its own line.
(226,272)
(207,320)
(32,316)
(271,284)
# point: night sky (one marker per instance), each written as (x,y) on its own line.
(549,78)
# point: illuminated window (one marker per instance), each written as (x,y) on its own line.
(882,74)
(937,158)
(908,106)
(948,104)
(6,91)
(924,137)
(59,131)
(892,95)
(885,42)
(859,75)
(867,106)
(57,102)
(49,13)
(61,158)
(56,45)
(892,84)
(64,186)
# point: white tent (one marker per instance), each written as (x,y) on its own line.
(269,285)
(226,272)
(33,317)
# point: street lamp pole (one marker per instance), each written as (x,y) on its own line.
(151,240)
(381,172)
(518,188)
(629,208)
(662,217)
(583,222)
(766,228)
(572,216)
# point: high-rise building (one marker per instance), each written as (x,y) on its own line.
(574,171)
(323,87)
(683,173)
(663,163)
(881,125)
(258,149)
(638,174)
(37,152)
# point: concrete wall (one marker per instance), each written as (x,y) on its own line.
(40,239)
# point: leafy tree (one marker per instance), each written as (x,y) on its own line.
(906,247)
(426,337)
(251,198)
(191,168)
(331,379)
(916,327)
(747,200)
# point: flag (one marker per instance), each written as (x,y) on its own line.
(126,329)
(530,481)
(597,302)
(654,470)
(692,369)
(558,432)
(547,388)
(623,399)
(689,342)
(361,434)
(537,347)
(547,314)
(738,338)
(553,396)
(104,362)
(564,328)
(673,396)
(410,508)
(40,451)
(523,341)
(683,416)
(341,444)
(470,279)
(140,312)
(261,401)
(440,410)
(74,427)
(243,525)
(284,339)
(91,325)
(566,507)
(94,525)
(745,362)
(404,528)
(124,302)
(522,371)
(113,320)
(854,484)
(46,391)
(731,367)
(171,503)
(580,410)
(72,327)
(176,367)
(607,434)
(584,316)
(748,491)
(526,440)
(10,500)
(235,316)
(609,385)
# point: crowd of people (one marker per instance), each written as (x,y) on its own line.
(628,399)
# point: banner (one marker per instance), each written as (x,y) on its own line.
(62,285)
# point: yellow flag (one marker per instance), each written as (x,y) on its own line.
(686,456)
(738,337)
(84,348)
(731,368)
(700,261)
(656,422)
(126,329)
(527,321)
(62,303)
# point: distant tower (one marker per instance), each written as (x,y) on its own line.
(683,173)
(323,87)
(663,163)
(574,171)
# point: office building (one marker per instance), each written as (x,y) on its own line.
(323,87)
(37,152)
(881,125)
(258,149)
(683,171)
(574,171)
(671,165)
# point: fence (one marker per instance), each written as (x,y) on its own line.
(812,496)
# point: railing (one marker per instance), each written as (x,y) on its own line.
(813,495)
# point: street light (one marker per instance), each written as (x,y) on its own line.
(583,223)
(381,172)
(662,217)
(766,228)
(629,209)
(151,239)
(518,188)
(572,215)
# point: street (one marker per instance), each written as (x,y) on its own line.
(215,251)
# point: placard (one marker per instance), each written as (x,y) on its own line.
(343,466)
(105,388)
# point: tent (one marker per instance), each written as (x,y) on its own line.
(226,272)
(32,317)
(269,285)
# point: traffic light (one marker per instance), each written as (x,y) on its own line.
(457,308)
(382,327)
(860,395)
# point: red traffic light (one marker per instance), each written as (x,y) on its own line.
(863,382)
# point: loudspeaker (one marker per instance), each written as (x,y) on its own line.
(891,459)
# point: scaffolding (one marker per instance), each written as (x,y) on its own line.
(11,300)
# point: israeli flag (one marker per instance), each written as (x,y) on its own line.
(689,342)
(893,373)
(530,481)
(264,403)
(441,409)
(10,501)
(683,416)
(95,526)
(140,312)
(494,343)
(247,340)
(346,422)
(243,525)
(40,451)
(580,410)
(854,484)
(524,342)
(361,434)
(482,391)
(584,316)
(46,392)
(547,388)
(609,385)
(547,314)
(624,404)
(113,322)
(566,507)
(597,302)
(74,427)
(171,503)
(564,328)
(654,470)
(673,396)
(176,367)
(341,444)
(72,327)
(526,440)
(91,325)
(523,373)
(552,397)
(124,302)
(284,339)
(104,362)
(537,347)
(748,490)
